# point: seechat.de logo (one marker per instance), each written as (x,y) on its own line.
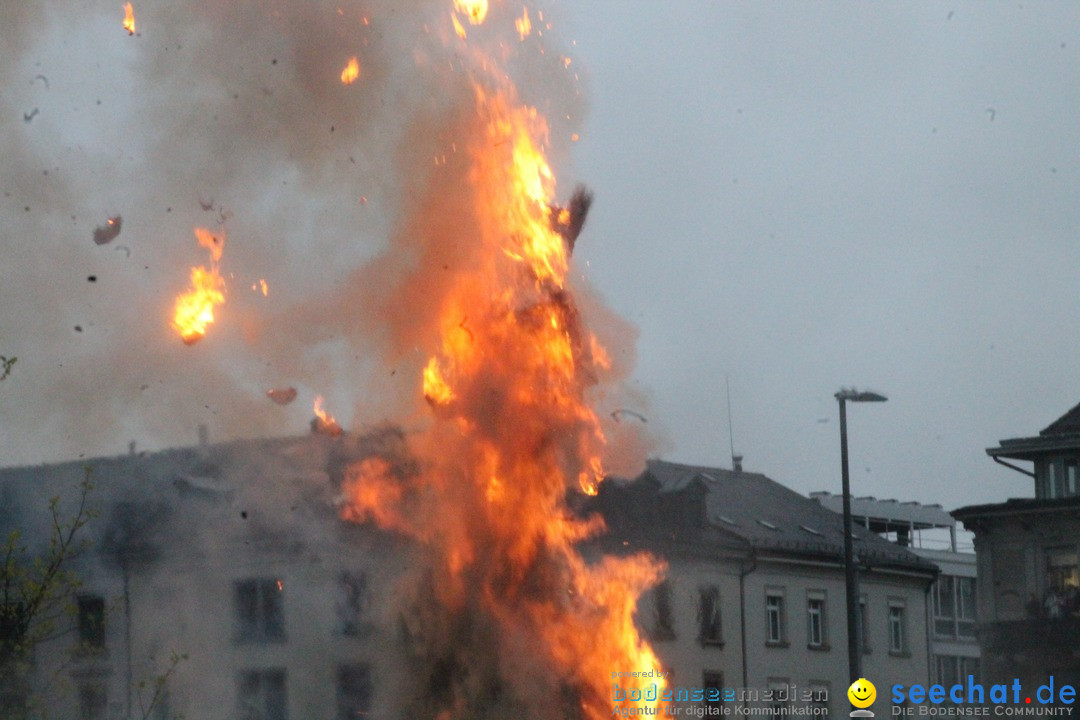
(862,694)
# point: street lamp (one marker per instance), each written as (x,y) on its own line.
(851,579)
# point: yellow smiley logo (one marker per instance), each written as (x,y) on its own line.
(862,693)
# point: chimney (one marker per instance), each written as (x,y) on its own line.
(204,435)
(131,448)
(736,462)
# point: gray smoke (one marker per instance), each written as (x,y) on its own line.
(231,116)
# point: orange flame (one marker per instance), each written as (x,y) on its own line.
(523,24)
(474,10)
(512,432)
(194,309)
(351,71)
(129,19)
(323,422)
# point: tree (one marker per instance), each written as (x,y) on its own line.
(36,593)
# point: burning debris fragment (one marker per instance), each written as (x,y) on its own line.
(324,423)
(129,19)
(569,220)
(104,234)
(195,308)
(351,71)
(282,396)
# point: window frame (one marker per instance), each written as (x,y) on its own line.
(897,623)
(710,632)
(815,610)
(263,703)
(776,594)
(264,597)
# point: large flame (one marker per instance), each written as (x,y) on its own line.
(511,437)
(194,309)
(129,19)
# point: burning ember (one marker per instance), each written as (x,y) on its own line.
(195,308)
(351,71)
(484,491)
(129,19)
(323,422)
(523,25)
(474,10)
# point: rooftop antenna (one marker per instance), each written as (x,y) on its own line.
(736,460)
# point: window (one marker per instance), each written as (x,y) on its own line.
(897,630)
(91,610)
(1070,478)
(92,702)
(261,695)
(713,680)
(864,623)
(663,620)
(952,669)
(944,607)
(819,697)
(779,697)
(1061,569)
(774,617)
(965,607)
(709,616)
(945,670)
(815,619)
(354,688)
(259,612)
(954,607)
(11,617)
(1051,480)
(353,604)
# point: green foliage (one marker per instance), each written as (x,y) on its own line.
(37,594)
(156,686)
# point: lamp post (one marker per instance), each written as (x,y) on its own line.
(851,578)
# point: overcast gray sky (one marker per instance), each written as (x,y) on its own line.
(794,196)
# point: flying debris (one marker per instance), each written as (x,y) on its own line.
(124,249)
(351,71)
(282,396)
(992,113)
(105,234)
(617,415)
(43,79)
(568,221)
(27,117)
(129,19)
(206,206)
(5,365)
(195,308)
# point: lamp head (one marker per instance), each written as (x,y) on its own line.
(853,395)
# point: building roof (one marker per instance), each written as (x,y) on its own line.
(889,514)
(1062,434)
(1017,506)
(766,515)
(1069,423)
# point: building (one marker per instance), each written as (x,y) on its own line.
(221,583)
(1029,583)
(930,532)
(755,595)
